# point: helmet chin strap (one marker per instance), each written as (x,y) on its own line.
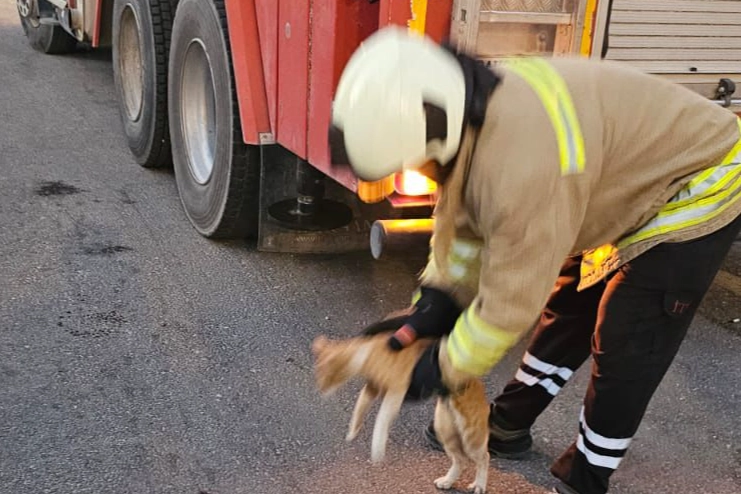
(481,82)
(337,150)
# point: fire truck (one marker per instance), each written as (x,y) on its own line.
(235,95)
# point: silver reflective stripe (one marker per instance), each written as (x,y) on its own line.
(573,163)
(556,99)
(597,459)
(481,334)
(702,184)
(466,249)
(602,441)
(683,218)
(695,204)
(457,271)
(475,346)
(464,260)
(532,361)
(462,356)
(529,380)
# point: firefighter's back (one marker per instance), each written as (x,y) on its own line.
(654,137)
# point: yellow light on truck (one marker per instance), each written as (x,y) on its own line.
(411,183)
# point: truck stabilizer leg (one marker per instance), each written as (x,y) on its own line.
(310,210)
(296,203)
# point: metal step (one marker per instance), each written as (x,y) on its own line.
(48,21)
(526,17)
(524,5)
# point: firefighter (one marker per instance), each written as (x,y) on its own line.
(583,200)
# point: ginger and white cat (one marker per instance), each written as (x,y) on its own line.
(461,418)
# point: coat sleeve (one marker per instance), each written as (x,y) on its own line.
(458,276)
(529,219)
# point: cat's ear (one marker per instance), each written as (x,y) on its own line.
(319,344)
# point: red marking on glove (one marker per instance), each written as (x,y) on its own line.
(405,335)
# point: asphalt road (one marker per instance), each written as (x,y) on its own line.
(137,357)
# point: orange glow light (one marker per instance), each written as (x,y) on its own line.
(411,183)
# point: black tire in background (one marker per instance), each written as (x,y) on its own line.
(141,45)
(217,174)
(45,38)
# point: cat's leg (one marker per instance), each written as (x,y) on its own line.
(365,399)
(390,406)
(454,472)
(481,460)
(474,436)
(446,433)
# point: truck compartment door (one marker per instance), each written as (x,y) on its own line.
(696,43)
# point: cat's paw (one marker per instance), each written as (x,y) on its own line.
(444,483)
(351,434)
(476,488)
(377,455)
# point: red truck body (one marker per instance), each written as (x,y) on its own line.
(288,57)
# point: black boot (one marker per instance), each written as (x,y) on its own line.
(563,488)
(504,441)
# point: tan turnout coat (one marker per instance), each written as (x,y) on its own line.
(508,217)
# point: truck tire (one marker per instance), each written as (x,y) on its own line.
(45,38)
(217,175)
(141,45)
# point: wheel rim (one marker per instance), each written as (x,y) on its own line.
(27,10)
(198,110)
(130,64)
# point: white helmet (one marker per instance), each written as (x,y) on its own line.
(389,87)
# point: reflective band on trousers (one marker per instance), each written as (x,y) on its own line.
(599,450)
(474,346)
(554,94)
(709,194)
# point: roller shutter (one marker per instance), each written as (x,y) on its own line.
(692,42)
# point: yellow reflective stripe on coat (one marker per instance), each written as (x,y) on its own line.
(416,296)
(710,181)
(556,99)
(464,260)
(702,199)
(474,346)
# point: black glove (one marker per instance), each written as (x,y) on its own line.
(432,316)
(392,322)
(426,376)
